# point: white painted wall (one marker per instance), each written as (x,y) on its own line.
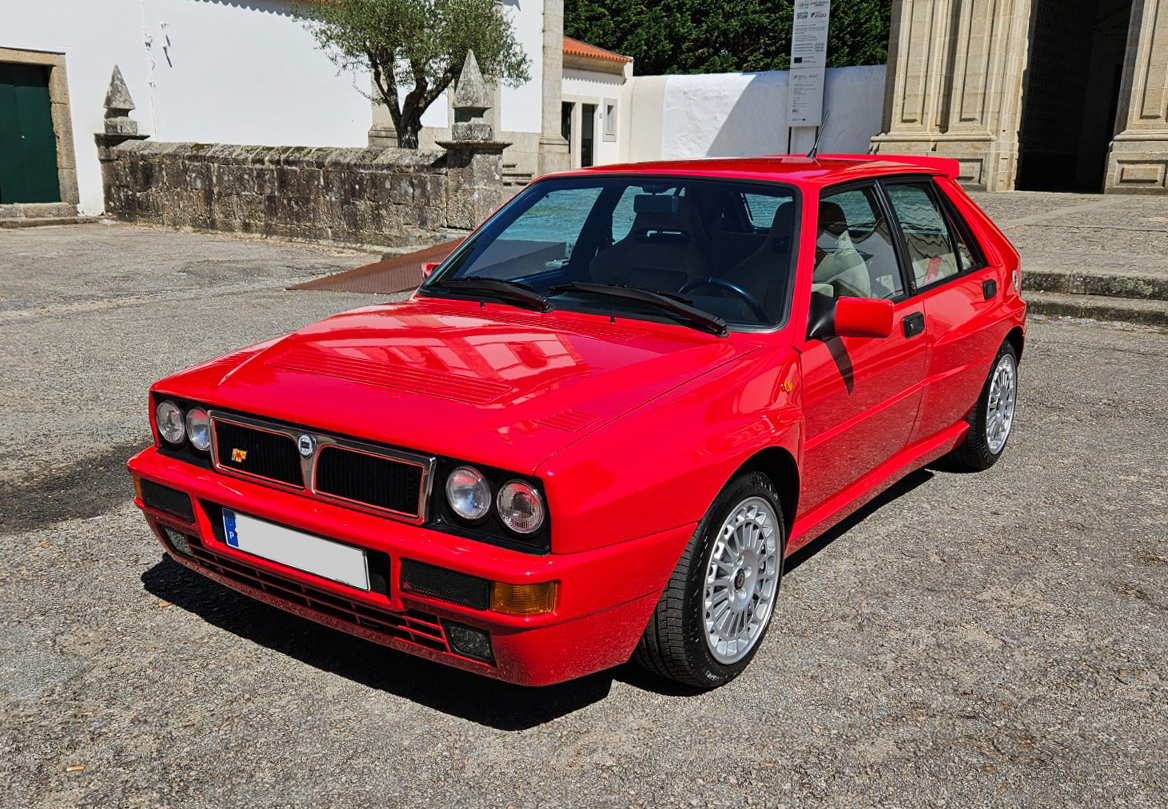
(742,114)
(244,71)
(521,108)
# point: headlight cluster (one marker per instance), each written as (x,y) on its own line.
(518,504)
(175,426)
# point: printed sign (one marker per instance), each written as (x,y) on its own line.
(808,61)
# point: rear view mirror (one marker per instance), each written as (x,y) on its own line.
(863,317)
(849,317)
(428,269)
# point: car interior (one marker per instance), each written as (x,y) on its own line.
(727,250)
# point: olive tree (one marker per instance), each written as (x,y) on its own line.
(415,48)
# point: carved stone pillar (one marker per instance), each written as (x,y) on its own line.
(1138,158)
(553,149)
(955,85)
(474,159)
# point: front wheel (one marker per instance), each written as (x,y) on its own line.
(716,608)
(993,416)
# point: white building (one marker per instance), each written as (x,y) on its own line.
(248,72)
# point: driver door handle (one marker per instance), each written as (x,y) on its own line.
(914,324)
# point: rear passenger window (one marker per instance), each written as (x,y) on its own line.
(926,233)
(854,255)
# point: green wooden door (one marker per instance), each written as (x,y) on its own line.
(28,147)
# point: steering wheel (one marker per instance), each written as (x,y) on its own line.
(729,286)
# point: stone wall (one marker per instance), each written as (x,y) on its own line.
(389,197)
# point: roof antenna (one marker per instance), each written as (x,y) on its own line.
(814,153)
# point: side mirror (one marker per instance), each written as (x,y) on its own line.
(863,317)
(428,269)
(849,317)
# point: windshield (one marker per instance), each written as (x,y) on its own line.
(724,247)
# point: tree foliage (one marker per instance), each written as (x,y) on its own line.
(716,36)
(415,48)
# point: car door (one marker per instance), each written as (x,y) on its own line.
(950,279)
(860,394)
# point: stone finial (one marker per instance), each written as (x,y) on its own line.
(471,100)
(117,100)
(470,96)
(119,126)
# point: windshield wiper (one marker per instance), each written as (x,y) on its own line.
(670,304)
(513,291)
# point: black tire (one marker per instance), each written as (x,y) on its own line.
(974,453)
(674,644)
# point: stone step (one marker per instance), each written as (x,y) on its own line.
(1102,284)
(45,221)
(1148,311)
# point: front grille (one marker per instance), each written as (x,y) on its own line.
(373,480)
(411,626)
(256,452)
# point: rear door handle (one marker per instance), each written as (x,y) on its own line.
(914,324)
(989,288)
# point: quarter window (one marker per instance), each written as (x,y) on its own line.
(926,234)
(854,255)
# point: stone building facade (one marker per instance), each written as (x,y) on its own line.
(1032,94)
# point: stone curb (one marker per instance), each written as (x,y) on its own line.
(1108,285)
(1146,311)
(40,222)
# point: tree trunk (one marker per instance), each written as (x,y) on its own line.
(407,133)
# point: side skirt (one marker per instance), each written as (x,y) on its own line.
(833,511)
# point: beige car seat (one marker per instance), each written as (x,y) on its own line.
(841,266)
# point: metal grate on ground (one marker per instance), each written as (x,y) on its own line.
(392,275)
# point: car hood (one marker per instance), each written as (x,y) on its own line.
(492,384)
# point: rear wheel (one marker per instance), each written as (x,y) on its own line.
(718,603)
(993,417)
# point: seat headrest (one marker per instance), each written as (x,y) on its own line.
(782,226)
(832,219)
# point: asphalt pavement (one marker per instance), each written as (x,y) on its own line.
(988,640)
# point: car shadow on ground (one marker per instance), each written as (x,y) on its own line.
(899,489)
(469,696)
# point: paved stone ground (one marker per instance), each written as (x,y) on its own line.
(1114,233)
(991,640)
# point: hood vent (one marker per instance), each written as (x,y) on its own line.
(571,421)
(413,380)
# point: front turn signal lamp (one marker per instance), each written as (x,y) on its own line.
(524,599)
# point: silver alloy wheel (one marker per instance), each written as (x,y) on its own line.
(741,580)
(1000,407)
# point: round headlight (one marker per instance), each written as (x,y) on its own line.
(520,507)
(169,418)
(468,493)
(199,429)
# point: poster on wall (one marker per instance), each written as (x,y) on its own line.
(808,62)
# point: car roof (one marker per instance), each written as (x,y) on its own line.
(827,169)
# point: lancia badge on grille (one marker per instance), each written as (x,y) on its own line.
(306,444)
(238,455)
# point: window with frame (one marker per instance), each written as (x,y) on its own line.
(927,234)
(854,252)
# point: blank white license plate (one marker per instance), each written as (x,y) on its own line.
(321,557)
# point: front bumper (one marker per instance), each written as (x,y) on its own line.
(605,595)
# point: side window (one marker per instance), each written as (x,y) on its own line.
(926,233)
(854,254)
(760,208)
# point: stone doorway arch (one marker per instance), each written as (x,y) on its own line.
(956,74)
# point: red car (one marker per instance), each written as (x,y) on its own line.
(598,428)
